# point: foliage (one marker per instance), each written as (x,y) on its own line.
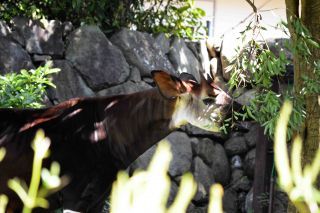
(256,66)
(298,183)
(148,191)
(177,17)
(27,88)
(3,203)
(35,195)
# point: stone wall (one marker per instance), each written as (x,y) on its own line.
(94,65)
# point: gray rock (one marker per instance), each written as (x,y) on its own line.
(134,75)
(182,153)
(183,60)
(204,148)
(162,42)
(173,192)
(214,67)
(140,51)
(125,88)
(148,80)
(100,62)
(40,38)
(191,208)
(246,97)
(196,131)
(236,162)
(69,83)
(13,57)
(193,47)
(242,201)
(220,165)
(214,155)
(252,136)
(211,47)
(198,209)
(239,91)
(204,58)
(67,28)
(230,201)
(245,125)
(242,184)
(204,177)
(236,175)
(249,163)
(4,29)
(41,58)
(142,162)
(236,146)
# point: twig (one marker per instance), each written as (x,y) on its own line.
(252,5)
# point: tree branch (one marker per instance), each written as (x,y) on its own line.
(252,5)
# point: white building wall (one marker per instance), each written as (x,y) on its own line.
(227,14)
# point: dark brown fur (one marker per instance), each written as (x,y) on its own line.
(91,138)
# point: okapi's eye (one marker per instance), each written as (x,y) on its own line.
(209,101)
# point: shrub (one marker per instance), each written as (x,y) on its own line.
(177,17)
(259,68)
(27,89)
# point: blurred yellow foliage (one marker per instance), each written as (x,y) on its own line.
(148,191)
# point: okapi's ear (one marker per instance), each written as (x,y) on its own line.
(169,85)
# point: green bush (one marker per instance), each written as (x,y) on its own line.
(27,89)
(257,67)
(177,17)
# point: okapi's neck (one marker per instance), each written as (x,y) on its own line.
(136,122)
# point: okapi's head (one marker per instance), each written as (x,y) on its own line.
(200,104)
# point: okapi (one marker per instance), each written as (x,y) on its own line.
(93,138)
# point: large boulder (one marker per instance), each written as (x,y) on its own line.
(246,97)
(249,163)
(182,153)
(13,57)
(183,59)
(101,63)
(214,155)
(220,165)
(141,51)
(253,136)
(236,146)
(40,37)
(204,178)
(162,42)
(125,88)
(4,29)
(142,162)
(69,83)
(230,201)
(242,184)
